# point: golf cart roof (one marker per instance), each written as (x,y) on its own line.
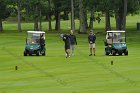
(115,31)
(36,32)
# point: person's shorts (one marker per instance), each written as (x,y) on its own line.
(92,45)
(67,47)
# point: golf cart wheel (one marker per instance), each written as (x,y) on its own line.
(120,53)
(106,53)
(44,54)
(30,54)
(25,54)
(113,52)
(37,54)
(126,52)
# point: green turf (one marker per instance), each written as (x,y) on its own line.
(79,74)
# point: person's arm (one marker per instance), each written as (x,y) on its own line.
(64,38)
(95,37)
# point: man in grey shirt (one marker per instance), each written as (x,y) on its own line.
(73,41)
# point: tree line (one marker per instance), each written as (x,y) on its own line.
(55,10)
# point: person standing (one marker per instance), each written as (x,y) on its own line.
(91,40)
(42,41)
(73,42)
(66,40)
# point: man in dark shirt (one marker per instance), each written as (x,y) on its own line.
(66,40)
(73,42)
(91,40)
(42,41)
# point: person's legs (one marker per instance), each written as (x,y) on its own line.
(42,47)
(90,49)
(90,52)
(72,47)
(94,50)
(68,52)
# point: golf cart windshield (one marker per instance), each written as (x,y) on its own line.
(119,37)
(116,37)
(34,38)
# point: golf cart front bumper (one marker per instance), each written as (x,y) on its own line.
(31,51)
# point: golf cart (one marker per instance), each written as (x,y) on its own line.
(115,43)
(35,43)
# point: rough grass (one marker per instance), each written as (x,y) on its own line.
(79,74)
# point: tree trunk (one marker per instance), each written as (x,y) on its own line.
(36,28)
(1,27)
(107,19)
(57,17)
(118,17)
(82,28)
(66,15)
(36,24)
(72,16)
(91,19)
(40,18)
(121,16)
(19,16)
(49,15)
(124,15)
(117,21)
(85,15)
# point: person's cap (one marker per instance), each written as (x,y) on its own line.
(91,30)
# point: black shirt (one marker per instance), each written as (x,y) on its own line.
(91,39)
(42,41)
(66,39)
(73,39)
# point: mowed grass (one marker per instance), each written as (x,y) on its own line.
(54,73)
